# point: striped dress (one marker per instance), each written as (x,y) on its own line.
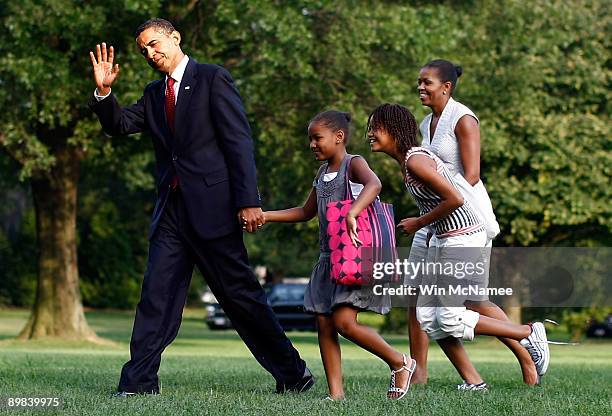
(462,221)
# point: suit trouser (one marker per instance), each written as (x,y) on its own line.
(173,252)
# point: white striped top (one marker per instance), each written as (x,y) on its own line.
(461,221)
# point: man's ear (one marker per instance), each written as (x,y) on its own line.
(176,36)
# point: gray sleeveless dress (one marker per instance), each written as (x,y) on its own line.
(322,294)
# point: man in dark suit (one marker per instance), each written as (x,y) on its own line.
(207,189)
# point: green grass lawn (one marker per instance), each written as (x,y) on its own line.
(212,372)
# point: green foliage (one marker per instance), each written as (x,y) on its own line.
(538,77)
(18,265)
(576,321)
(294,60)
(542,91)
(113,219)
(396,321)
(46,75)
(109,274)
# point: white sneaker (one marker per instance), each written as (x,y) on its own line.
(473,387)
(537,346)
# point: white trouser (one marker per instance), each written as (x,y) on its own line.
(447,321)
(418,254)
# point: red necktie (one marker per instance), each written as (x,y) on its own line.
(170,107)
(170,103)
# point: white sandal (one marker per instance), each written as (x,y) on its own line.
(392,387)
(328,398)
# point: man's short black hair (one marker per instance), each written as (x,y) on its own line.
(161,25)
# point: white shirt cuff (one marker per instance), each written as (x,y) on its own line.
(100,97)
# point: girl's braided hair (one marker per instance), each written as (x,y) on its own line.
(398,122)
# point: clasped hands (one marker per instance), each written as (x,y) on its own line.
(251,219)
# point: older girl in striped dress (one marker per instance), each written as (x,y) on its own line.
(392,130)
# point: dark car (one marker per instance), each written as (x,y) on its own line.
(216,318)
(287,302)
(598,329)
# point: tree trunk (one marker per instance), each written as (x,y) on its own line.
(58,310)
(514,314)
(512,305)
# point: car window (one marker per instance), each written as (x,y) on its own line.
(286,293)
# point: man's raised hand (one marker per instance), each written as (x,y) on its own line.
(103,69)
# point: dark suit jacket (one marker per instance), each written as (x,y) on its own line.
(211,150)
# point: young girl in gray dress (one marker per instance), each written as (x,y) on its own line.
(337,306)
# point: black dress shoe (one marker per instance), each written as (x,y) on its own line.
(122,394)
(303,384)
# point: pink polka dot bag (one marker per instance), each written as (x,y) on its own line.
(352,265)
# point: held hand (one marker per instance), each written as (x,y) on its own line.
(251,219)
(351,227)
(104,71)
(409,225)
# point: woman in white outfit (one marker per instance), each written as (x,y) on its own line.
(451,132)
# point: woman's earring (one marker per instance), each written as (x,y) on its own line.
(443,92)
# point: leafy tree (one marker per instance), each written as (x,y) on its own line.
(113,225)
(544,128)
(538,78)
(18,272)
(292,60)
(46,127)
(541,86)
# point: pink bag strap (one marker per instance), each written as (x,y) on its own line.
(348,193)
